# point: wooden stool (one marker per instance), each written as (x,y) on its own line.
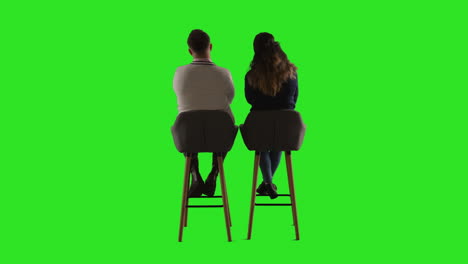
(204,131)
(273,130)
(185,198)
(292,194)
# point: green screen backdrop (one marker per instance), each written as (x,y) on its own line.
(90,174)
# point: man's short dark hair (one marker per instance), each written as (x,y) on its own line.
(198,40)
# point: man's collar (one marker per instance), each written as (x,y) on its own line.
(202,59)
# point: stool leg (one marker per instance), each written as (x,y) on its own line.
(183,213)
(292,191)
(186,215)
(186,207)
(225,198)
(252,199)
(229,211)
(227,203)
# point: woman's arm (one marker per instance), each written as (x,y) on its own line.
(289,97)
(249,95)
(297,90)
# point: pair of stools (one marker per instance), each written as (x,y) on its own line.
(214,131)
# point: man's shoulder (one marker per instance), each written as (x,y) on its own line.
(208,68)
(222,70)
(182,67)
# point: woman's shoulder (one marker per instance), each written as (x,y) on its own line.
(248,80)
(294,75)
(293,78)
(248,74)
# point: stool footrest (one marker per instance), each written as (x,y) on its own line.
(216,196)
(203,206)
(278,195)
(273,204)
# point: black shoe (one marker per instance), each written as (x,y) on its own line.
(271,190)
(210,183)
(196,189)
(261,189)
(197,186)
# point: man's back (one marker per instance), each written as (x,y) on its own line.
(202,85)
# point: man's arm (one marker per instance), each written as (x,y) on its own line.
(230,89)
(175,85)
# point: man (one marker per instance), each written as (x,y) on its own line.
(202,85)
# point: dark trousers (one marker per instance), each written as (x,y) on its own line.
(269,162)
(215,160)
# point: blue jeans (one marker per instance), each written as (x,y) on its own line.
(269,162)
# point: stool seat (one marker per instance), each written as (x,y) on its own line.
(204,131)
(273,130)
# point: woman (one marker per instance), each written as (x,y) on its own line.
(270,84)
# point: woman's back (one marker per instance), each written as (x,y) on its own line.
(271,83)
(286,98)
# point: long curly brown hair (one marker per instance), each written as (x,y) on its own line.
(270,66)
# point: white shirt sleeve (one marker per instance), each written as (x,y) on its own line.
(230,89)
